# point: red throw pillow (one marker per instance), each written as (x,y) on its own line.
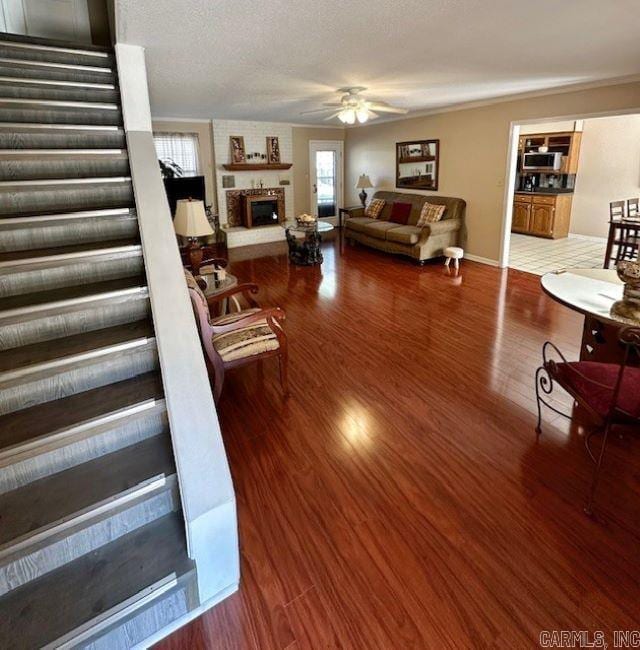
(400,213)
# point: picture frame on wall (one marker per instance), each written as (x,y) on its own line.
(273,149)
(418,164)
(238,155)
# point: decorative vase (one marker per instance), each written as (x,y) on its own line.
(629,306)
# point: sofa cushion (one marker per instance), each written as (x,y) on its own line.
(400,213)
(358,223)
(430,213)
(404,234)
(374,208)
(378,229)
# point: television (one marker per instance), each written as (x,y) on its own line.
(185,187)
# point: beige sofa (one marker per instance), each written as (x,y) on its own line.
(419,243)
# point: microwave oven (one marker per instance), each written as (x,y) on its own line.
(542,161)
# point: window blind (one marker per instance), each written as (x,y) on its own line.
(180,148)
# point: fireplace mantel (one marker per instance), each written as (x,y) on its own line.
(235,203)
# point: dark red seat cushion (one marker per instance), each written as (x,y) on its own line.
(400,213)
(594,382)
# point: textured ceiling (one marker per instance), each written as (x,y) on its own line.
(244,59)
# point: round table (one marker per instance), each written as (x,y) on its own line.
(591,292)
(304,241)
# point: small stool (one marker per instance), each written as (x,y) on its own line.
(453,253)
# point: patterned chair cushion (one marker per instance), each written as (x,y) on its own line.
(246,342)
(226,319)
(374,209)
(430,213)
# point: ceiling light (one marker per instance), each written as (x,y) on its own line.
(347,116)
(362,114)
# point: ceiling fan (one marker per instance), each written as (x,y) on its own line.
(352,106)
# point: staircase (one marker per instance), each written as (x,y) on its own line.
(92,542)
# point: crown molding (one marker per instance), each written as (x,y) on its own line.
(463,106)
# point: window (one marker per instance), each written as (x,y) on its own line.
(180,148)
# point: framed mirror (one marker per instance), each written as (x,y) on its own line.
(417,164)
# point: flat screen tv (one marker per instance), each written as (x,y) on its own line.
(186,187)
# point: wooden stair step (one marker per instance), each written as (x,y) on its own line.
(55,497)
(49,607)
(69,293)
(37,421)
(64,250)
(38,353)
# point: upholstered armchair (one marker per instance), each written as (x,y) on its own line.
(240,337)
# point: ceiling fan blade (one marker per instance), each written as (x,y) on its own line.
(332,104)
(326,119)
(385,108)
(319,110)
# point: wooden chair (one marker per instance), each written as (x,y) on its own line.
(616,210)
(241,337)
(623,242)
(608,392)
(633,208)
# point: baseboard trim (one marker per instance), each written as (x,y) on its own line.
(187,618)
(481,260)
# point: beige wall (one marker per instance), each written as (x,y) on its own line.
(473,151)
(608,170)
(301,137)
(205,152)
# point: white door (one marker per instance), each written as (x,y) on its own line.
(67,20)
(325,177)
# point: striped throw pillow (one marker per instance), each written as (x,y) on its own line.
(430,213)
(374,209)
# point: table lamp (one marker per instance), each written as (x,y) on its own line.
(364,183)
(191,222)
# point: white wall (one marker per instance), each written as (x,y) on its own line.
(255,140)
(608,170)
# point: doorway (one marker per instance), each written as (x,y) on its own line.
(326,178)
(562,176)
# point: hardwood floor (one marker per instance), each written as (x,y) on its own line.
(399,498)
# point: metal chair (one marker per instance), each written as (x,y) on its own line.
(608,392)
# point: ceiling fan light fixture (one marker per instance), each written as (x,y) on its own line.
(347,116)
(363,115)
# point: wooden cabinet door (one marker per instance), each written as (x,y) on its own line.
(542,220)
(521,217)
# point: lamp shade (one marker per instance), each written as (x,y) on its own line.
(191,219)
(364,182)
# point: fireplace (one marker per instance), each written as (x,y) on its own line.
(239,201)
(260,211)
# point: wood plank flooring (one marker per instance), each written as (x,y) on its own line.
(399,498)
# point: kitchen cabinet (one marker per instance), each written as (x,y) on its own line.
(542,215)
(521,216)
(567,143)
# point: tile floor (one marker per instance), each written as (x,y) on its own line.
(539,256)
